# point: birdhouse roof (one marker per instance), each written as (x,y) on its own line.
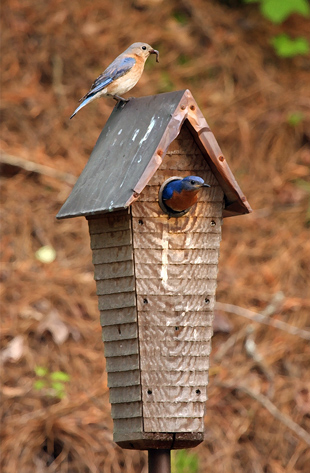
(131,147)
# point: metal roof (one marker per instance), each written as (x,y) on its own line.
(132,146)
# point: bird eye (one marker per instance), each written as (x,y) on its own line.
(144,47)
(193,183)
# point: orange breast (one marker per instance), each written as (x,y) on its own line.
(183,200)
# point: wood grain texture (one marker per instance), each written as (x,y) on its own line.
(125,394)
(176,363)
(115,285)
(175,303)
(162,174)
(121,348)
(115,221)
(118,364)
(112,255)
(173,378)
(173,409)
(111,242)
(189,319)
(126,410)
(149,332)
(158,286)
(175,264)
(120,331)
(115,270)
(177,241)
(184,162)
(177,225)
(152,209)
(187,256)
(182,350)
(149,440)
(180,271)
(176,424)
(110,239)
(124,378)
(115,301)
(212,194)
(124,426)
(118,316)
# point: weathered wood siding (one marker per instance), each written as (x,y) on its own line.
(175,264)
(111,243)
(156,283)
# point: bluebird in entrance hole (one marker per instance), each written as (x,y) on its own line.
(121,75)
(180,194)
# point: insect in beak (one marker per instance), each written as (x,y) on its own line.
(154,51)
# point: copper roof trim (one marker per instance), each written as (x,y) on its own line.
(235,201)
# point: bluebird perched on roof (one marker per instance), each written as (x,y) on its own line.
(121,75)
(181,194)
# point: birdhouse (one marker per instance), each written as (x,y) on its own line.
(155,273)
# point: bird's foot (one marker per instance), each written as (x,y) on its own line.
(118,98)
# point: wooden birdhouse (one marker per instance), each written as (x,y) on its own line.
(155,274)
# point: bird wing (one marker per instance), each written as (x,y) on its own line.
(115,70)
(168,191)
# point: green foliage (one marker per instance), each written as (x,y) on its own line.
(278,11)
(183,59)
(287,47)
(40,371)
(184,462)
(180,17)
(295,118)
(60,376)
(51,384)
(165,84)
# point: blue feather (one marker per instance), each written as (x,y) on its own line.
(170,188)
(114,71)
(85,102)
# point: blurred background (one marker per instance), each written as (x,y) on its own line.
(247,65)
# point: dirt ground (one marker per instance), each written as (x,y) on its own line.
(258,412)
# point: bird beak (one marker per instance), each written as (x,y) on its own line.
(154,51)
(205,185)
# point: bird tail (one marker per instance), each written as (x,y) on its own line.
(85,102)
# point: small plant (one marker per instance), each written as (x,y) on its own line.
(51,383)
(278,11)
(295,118)
(184,462)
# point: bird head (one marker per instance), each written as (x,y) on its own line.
(193,183)
(143,50)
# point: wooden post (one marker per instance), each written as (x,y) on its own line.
(159,461)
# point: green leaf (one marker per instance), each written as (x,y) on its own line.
(279,10)
(302,184)
(40,371)
(57,386)
(60,376)
(184,462)
(180,17)
(287,47)
(295,118)
(165,84)
(40,384)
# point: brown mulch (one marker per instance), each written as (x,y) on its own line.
(258,412)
